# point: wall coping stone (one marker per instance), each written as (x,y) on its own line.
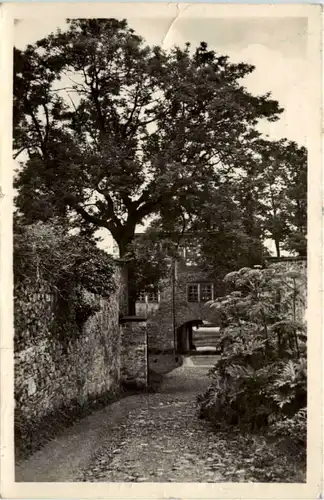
(286,259)
(132,319)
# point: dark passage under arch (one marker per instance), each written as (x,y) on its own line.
(196,335)
(184,336)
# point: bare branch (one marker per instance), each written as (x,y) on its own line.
(68,93)
(19,152)
(47,126)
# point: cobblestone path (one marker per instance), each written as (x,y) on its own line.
(151,438)
(148,437)
(162,439)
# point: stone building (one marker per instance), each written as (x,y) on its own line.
(180,303)
(179,312)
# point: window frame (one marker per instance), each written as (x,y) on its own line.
(152,296)
(211,296)
(199,292)
(188,293)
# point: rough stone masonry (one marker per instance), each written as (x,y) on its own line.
(50,378)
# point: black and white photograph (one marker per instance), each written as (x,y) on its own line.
(161,246)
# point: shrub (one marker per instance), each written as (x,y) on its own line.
(69,267)
(49,253)
(260,379)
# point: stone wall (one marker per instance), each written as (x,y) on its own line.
(54,377)
(143,309)
(134,355)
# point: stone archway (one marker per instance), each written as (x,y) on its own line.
(184,336)
(161,334)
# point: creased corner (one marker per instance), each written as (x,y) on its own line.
(168,35)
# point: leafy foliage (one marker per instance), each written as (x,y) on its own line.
(216,230)
(150,261)
(65,265)
(260,380)
(277,179)
(295,426)
(115,131)
(48,252)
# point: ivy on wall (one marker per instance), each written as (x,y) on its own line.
(70,269)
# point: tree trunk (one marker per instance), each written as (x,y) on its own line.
(131,293)
(277,243)
(123,301)
(128,291)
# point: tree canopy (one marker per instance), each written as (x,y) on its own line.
(143,125)
(114,131)
(272,194)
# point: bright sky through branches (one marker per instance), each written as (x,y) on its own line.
(276,47)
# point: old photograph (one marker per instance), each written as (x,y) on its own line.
(160,249)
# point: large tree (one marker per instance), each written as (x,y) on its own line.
(115,131)
(273,190)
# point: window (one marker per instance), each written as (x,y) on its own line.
(200,292)
(141,297)
(152,296)
(193,295)
(206,292)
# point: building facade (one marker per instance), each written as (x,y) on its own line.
(183,301)
(179,303)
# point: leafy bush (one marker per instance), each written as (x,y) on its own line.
(48,258)
(260,379)
(294,426)
(49,253)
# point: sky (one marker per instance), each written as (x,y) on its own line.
(277,47)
